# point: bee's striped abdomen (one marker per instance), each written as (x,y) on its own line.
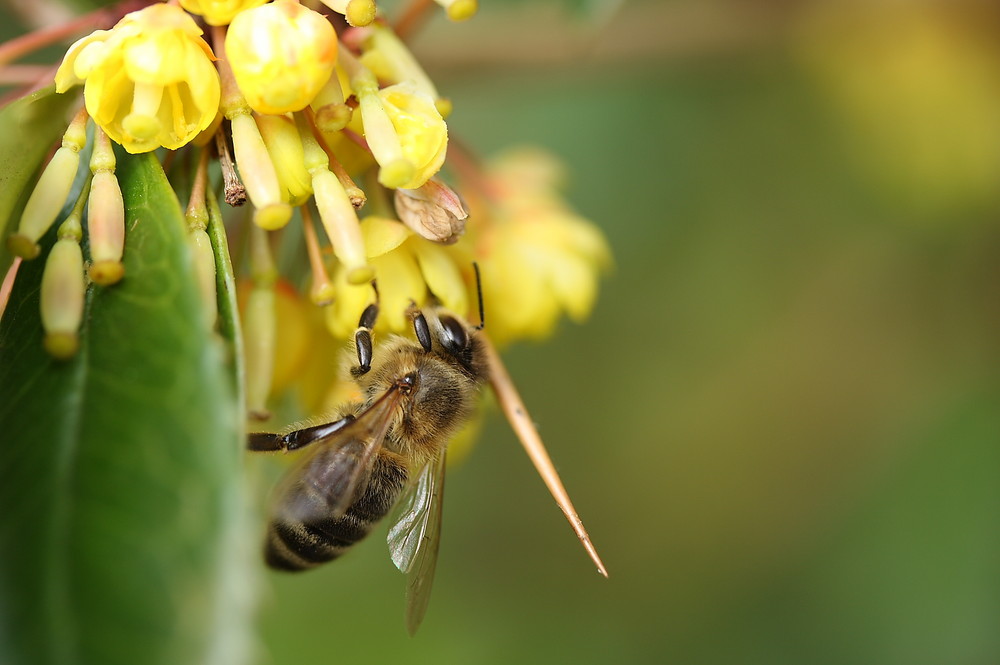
(302,544)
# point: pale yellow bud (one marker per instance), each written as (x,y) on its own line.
(105,216)
(204,263)
(258,174)
(335,210)
(62,297)
(51,191)
(285,148)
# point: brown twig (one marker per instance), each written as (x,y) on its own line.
(517,415)
(20,46)
(412,18)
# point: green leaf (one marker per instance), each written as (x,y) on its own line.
(124,537)
(28,129)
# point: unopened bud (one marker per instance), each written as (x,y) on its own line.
(433,211)
(62,296)
(285,148)
(204,263)
(51,191)
(335,210)
(258,174)
(105,215)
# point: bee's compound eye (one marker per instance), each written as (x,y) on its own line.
(454,338)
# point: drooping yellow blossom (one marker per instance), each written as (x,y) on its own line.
(149,82)
(538,258)
(282,55)
(916,87)
(408,268)
(219,12)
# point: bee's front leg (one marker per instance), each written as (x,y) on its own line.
(363,340)
(300,438)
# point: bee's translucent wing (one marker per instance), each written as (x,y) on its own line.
(415,537)
(334,471)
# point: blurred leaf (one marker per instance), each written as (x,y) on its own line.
(28,129)
(121,469)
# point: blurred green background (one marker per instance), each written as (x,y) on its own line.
(781,425)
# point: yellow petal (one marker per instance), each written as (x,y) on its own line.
(382,235)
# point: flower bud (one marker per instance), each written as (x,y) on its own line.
(285,148)
(434,211)
(50,193)
(259,174)
(335,210)
(282,54)
(105,216)
(204,263)
(219,12)
(61,298)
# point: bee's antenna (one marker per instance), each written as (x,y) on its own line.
(479,295)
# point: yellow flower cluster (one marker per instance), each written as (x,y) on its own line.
(305,112)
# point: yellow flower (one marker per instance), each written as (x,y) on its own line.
(406,133)
(219,12)
(149,82)
(537,257)
(409,268)
(282,55)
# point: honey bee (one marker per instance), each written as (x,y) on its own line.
(391,444)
